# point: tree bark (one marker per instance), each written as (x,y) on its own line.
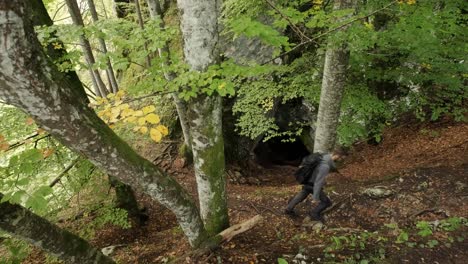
(333,82)
(40,17)
(141,23)
(120,9)
(164,53)
(75,14)
(200,33)
(23,224)
(125,197)
(102,43)
(32,83)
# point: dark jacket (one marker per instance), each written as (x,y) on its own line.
(320,173)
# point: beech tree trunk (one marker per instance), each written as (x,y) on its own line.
(199,24)
(333,82)
(29,81)
(75,14)
(164,52)
(102,43)
(23,224)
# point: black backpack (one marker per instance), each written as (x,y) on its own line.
(307,167)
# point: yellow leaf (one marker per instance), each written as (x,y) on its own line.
(148,109)
(117,102)
(110,96)
(120,93)
(127,112)
(124,106)
(101,113)
(155,135)
(112,126)
(130,119)
(47,152)
(141,121)
(143,130)
(136,128)
(138,113)
(163,130)
(40,131)
(152,118)
(2,138)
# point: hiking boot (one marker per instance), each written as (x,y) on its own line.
(290,213)
(316,217)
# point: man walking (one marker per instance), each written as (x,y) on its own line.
(314,184)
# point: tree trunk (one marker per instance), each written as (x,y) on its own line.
(23,224)
(125,197)
(120,8)
(164,52)
(40,17)
(86,46)
(30,82)
(333,82)
(141,23)
(200,33)
(102,43)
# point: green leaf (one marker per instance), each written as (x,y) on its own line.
(282,261)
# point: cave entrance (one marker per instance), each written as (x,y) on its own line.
(277,152)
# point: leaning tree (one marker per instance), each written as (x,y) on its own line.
(31,82)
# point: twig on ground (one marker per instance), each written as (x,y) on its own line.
(329,209)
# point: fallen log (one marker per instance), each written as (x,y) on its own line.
(240,228)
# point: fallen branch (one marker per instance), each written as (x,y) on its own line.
(225,236)
(329,209)
(240,228)
(429,210)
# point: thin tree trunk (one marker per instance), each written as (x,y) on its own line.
(333,82)
(30,82)
(164,53)
(199,24)
(125,197)
(86,46)
(141,23)
(120,10)
(23,224)
(102,43)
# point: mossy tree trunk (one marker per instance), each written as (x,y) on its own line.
(164,53)
(102,43)
(25,225)
(125,197)
(333,82)
(29,81)
(100,88)
(200,30)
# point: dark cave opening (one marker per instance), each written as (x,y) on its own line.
(277,152)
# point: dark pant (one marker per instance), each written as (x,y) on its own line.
(324,203)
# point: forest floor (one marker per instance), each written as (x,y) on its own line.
(397,202)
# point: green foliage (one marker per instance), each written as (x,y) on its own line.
(13,251)
(424,228)
(113,216)
(282,261)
